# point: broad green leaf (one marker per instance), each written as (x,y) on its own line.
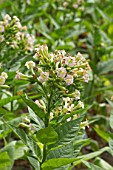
(4,161)
(37,110)
(64,151)
(51,164)
(47,135)
(68,131)
(10,149)
(28,141)
(34,163)
(20,149)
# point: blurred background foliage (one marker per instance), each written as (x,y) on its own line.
(84,26)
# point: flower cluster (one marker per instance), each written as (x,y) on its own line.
(60,71)
(3,78)
(61,65)
(13,34)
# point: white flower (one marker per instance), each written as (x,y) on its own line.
(1,28)
(61,72)
(7,18)
(77,94)
(1,38)
(70,61)
(18,25)
(79,57)
(68,80)
(41,104)
(2,80)
(16,18)
(80,105)
(4,75)
(30,64)
(51,115)
(38,103)
(43,77)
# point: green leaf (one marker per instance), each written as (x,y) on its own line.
(36,119)
(37,110)
(47,135)
(103,164)
(51,164)
(28,141)
(68,131)
(4,161)
(92,166)
(111,145)
(10,149)
(20,149)
(103,134)
(111,120)
(105,67)
(34,163)
(64,151)
(92,155)
(8,99)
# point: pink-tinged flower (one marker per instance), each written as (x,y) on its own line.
(61,72)
(21,76)
(86,78)
(77,94)
(2,80)
(68,80)
(1,28)
(70,61)
(43,77)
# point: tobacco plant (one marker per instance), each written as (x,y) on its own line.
(54,128)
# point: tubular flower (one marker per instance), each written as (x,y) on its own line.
(70,61)
(68,80)
(61,72)
(43,77)
(30,64)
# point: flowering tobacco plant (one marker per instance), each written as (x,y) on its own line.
(55,124)
(14,38)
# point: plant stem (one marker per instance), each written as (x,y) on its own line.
(47,117)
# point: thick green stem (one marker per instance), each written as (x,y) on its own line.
(47,117)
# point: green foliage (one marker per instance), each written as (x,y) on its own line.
(46,135)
